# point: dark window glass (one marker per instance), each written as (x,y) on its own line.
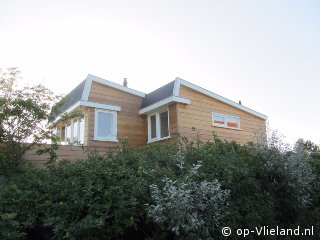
(164,126)
(153,126)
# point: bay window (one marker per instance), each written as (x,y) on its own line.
(74,132)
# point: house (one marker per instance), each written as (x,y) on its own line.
(112,111)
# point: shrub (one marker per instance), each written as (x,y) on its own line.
(188,208)
(105,197)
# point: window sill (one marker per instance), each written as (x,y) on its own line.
(106,139)
(158,139)
(239,129)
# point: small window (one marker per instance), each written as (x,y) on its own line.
(81,130)
(158,126)
(63,134)
(232,122)
(218,120)
(73,133)
(68,133)
(105,125)
(164,124)
(153,123)
(221,120)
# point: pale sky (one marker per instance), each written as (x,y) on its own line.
(265,53)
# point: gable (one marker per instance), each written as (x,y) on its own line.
(181,82)
(199,114)
(204,103)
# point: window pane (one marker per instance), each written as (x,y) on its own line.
(153,126)
(164,126)
(63,134)
(75,131)
(68,134)
(218,119)
(81,130)
(105,123)
(232,122)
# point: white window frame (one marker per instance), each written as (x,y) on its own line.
(158,127)
(225,121)
(74,141)
(114,129)
(71,133)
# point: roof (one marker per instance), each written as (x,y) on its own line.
(169,94)
(80,94)
(158,95)
(69,100)
(161,97)
(215,96)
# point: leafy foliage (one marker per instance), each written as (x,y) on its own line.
(188,208)
(180,190)
(24,112)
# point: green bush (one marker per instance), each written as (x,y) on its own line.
(116,196)
(188,208)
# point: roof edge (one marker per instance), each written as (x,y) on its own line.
(86,104)
(219,98)
(114,85)
(164,102)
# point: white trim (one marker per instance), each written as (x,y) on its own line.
(115,85)
(72,140)
(149,127)
(176,87)
(225,121)
(158,126)
(86,89)
(163,103)
(113,138)
(100,105)
(156,139)
(70,109)
(88,104)
(220,98)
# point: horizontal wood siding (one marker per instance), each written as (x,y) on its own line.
(130,124)
(173,120)
(199,115)
(68,152)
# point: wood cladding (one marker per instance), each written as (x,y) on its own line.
(130,125)
(199,115)
(68,152)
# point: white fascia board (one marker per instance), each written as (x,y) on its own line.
(70,109)
(176,87)
(163,103)
(100,106)
(221,99)
(86,90)
(115,85)
(87,104)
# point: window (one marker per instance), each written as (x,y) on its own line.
(75,128)
(68,133)
(164,124)
(221,120)
(105,128)
(153,126)
(63,134)
(81,130)
(158,126)
(74,132)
